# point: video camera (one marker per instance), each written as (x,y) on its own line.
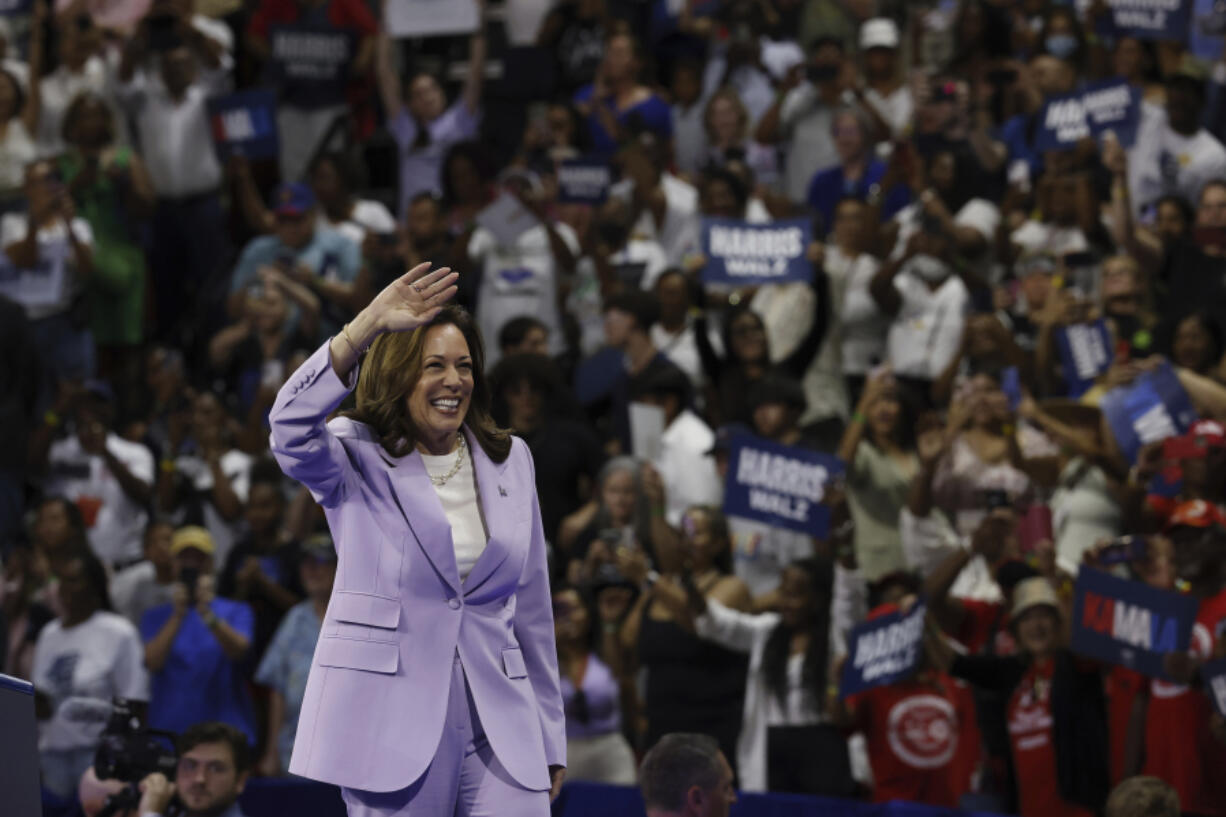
(128,750)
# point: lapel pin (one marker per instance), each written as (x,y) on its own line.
(502,491)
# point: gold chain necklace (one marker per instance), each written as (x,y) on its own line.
(455,469)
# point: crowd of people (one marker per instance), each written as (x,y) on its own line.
(156,293)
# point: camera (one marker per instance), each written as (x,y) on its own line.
(129,751)
(822,72)
(190,576)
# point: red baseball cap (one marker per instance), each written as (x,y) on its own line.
(1195,513)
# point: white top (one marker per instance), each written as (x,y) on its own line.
(688,471)
(101,658)
(927,541)
(690,136)
(864,325)
(236,467)
(46,289)
(1162,161)
(120,522)
(896,109)
(806,122)
(175,137)
(462,507)
(1037,236)
(57,90)
(16,151)
(135,589)
(678,234)
(928,327)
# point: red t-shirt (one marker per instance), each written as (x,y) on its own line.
(1123,685)
(1034,750)
(914,730)
(984,623)
(352,14)
(1178,745)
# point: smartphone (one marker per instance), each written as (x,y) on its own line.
(190,576)
(826,72)
(994,498)
(1124,549)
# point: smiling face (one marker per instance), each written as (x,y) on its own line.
(440,399)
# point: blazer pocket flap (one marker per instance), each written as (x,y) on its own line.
(513,662)
(352,653)
(364,608)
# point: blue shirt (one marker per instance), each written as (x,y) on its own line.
(198,682)
(1018,139)
(653,114)
(286,665)
(829,187)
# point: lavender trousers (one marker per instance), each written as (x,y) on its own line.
(465,779)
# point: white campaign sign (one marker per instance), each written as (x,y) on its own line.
(427,18)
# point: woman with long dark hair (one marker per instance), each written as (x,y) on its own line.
(788,741)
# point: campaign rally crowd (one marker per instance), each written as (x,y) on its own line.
(871,355)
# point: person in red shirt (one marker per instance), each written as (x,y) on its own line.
(1055,715)
(1179,745)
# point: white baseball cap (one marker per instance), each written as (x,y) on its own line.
(880,32)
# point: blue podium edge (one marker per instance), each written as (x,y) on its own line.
(16,684)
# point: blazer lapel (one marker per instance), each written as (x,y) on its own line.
(498,507)
(414,493)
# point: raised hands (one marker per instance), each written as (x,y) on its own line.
(413,299)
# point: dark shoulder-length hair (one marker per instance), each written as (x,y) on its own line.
(778,647)
(390,372)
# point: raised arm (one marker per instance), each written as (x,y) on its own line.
(475,80)
(390,92)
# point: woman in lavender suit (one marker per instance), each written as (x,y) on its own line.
(434,687)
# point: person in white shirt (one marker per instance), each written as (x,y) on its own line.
(684,459)
(109,478)
(927,297)
(886,98)
(150,582)
(523,278)
(83,660)
(667,205)
(674,333)
(166,99)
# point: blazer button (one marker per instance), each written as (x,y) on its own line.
(454,604)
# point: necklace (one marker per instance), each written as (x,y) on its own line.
(440,481)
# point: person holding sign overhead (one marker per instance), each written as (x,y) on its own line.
(434,688)
(424,127)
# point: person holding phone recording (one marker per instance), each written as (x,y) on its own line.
(434,688)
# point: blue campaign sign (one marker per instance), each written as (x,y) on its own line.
(1113,105)
(309,62)
(1085,353)
(780,485)
(744,254)
(1205,37)
(1062,124)
(1152,408)
(1130,623)
(883,650)
(1214,675)
(245,124)
(584,181)
(1151,19)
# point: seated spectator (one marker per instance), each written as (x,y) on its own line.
(596,749)
(195,646)
(529,398)
(87,652)
(287,661)
(150,582)
(858,173)
(110,478)
(523,335)
(214,764)
(879,449)
(112,191)
(616,104)
(1056,711)
(424,126)
(23,614)
(686,775)
(52,252)
(787,741)
(262,569)
(684,459)
(691,683)
(203,478)
(322,260)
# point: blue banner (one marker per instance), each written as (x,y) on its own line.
(1152,408)
(309,63)
(1062,124)
(1085,353)
(584,181)
(1130,623)
(1214,675)
(245,124)
(883,650)
(1205,38)
(1149,19)
(744,254)
(1113,105)
(780,485)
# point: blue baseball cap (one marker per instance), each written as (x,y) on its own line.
(293,200)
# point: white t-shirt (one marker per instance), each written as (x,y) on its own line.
(690,136)
(57,90)
(16,151)
(116,532)
(864,325)
(688,471)
(679,232)
(367,216)
(462,506)
(48,288)
(681,349)
(896,109)
(135,589)
(979,214)
(925,333)
(518,280)
(806,122)
(647,252)
(1162,161)
(101,658)
(236,465)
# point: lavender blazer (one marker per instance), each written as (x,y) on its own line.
(377,692)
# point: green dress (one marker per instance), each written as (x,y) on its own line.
(116,289)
